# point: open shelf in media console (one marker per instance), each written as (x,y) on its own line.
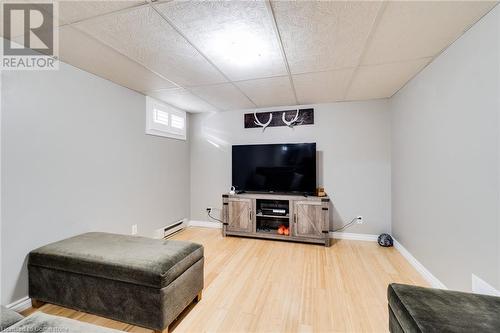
(272,232)
(273,216)
(273,225)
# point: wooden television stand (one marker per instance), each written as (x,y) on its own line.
(306,218)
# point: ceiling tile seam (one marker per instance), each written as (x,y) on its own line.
(126,56)
(114,12)
(178,86)
(241,81)
(324,71)
(245,80)
(107,79)
(101,77)
(122,10)
(163,90)
(277,33)
(203,99)
(146,93)
(167,20)
(398,61)
(264,78)
(369,40)
(444,49)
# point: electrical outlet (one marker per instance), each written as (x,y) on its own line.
(134,229)
(359,220)
(209,210)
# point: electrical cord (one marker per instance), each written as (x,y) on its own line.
(213,218)
(347,225)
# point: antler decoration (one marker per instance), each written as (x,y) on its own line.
(290,123)
(263,125)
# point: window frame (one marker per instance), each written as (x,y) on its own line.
(160,129)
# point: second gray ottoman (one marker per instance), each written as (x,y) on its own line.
(141,281)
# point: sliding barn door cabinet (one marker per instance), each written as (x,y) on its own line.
(281,217)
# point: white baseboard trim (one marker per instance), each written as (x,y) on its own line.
(338,235)
(20,305)
(354,236)
(426,274)
(205,224)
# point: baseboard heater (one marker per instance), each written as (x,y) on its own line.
(171,229)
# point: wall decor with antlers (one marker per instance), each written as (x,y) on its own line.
(290,118)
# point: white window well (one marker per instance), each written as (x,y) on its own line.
(164,120)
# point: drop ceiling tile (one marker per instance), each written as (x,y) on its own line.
(224,96)
(82,51)
(274,91)
(144,36)
(322,87)
(324,35)
(417,29)
(73,11)
(381,81)
(182,99)
(237,36)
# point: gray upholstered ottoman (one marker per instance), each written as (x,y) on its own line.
(418,309)
(141,281)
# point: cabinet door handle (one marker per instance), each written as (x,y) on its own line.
(250,214)
(295,218)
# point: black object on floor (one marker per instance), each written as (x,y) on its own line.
(385,240)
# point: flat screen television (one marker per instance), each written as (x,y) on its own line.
(280,168)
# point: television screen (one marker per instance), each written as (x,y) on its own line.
(275,168)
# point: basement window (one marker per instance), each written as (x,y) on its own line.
(177,122)
(161,117)
(164,120)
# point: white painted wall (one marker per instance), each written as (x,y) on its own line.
(445,160)
(496,15)
(74,159)
(353,140)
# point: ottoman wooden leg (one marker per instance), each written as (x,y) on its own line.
(36,303)
(198,297)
